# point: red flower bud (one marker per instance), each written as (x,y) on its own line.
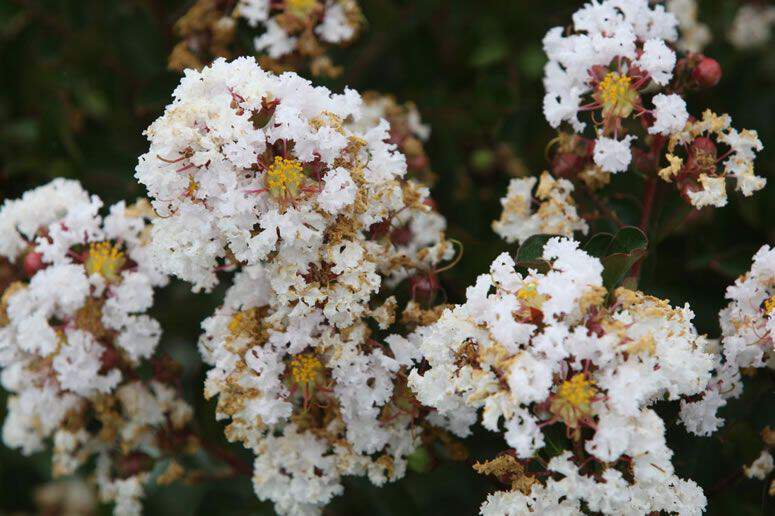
(424,287)
(33,262)
(707,73)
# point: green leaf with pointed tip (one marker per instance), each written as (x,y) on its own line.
(530,253)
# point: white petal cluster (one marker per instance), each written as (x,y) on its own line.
(546,348)
(670,114)
(613,155)
(752,26)
(294,25)
(708,182)
(76,325)
(604,31)
(747,325)
(291,185)
(556,213)
(232,177)
(748,321)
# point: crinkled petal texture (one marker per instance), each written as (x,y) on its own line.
(73,326)
(302,191)
(548,348)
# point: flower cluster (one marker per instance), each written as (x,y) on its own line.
(289,184)
(619,66)
(747,325)
(556,213)
(698,174)
(73,333)
(752,26)
(298,32)
(548,349)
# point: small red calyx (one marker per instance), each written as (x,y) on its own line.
(33,262)
(707,73)
(424,287)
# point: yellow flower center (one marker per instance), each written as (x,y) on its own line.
(527,292)
(284,177)
(578,391)
(193,186)
(305,368)
(616,94)
(105,259)
(300,8)
(769,305)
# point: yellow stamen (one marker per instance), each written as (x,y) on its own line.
(769,305)
(578,391)
(616,94)
(300,8)
(305,368)
(284,177)
(105,259)
(193,186)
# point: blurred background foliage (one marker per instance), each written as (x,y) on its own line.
(82,79)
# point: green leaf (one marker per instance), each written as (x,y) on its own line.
(618,253)
(530,253)
(598,244)
(628,239)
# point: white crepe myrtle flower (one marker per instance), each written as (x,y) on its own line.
(747,324)
(304,193)
(761,467)
(73,330)
(658,60)
(752,26)
(614,49)
(530,350)
(613,155)
(670,114)
(302,30)
(700,172)
(556,213)
(245,165)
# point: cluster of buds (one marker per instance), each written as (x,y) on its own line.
(552,357)
(289,185)
(297,33)
(74,337)
(618,66)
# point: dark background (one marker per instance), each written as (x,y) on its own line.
(80,80)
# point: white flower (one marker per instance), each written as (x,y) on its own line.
(761,467)
(670,114)
(613,155)
(658,60)
(556,213)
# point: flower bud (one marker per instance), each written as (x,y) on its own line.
(33,262)
(707,73)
